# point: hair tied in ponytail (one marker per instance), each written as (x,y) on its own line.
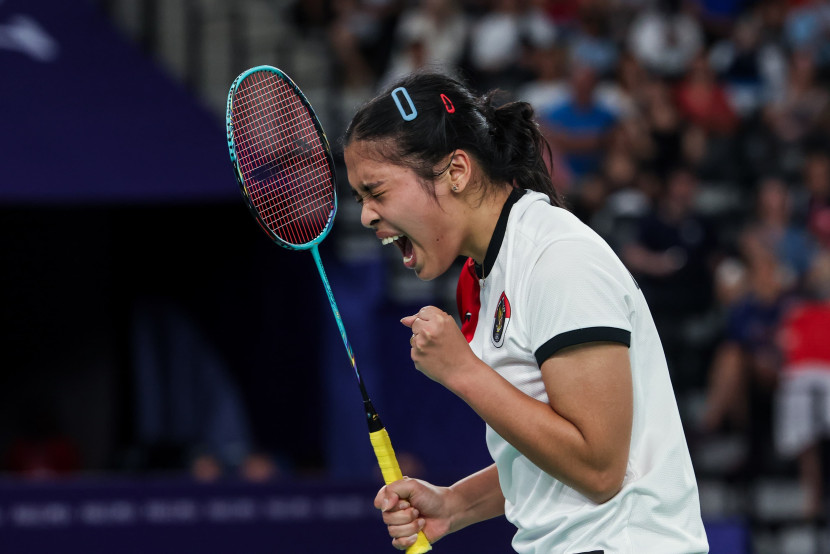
(407,116)
(448,105)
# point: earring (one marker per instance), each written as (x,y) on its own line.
(455,188)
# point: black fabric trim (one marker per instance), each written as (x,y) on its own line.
(581,336)
(498,234)
(594,552)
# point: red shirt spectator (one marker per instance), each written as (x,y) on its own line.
(703,101)
(804,337)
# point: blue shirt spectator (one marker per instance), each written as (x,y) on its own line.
(579,127)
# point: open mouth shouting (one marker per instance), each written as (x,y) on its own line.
(405,245)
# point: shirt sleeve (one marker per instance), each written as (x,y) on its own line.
(578,292)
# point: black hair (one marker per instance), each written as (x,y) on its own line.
(504,140)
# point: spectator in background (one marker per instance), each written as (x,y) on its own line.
(552,93)
(807,29)
(433,33)
(548,85)
(672,256)
(674,244)
(703,102)
(615,210)
(590,42)
(711,124)
(802,402)
(580,127)
(744,370)
(774,231)
(500,38)
(751,67)
(540,29)
(361,36)
(796,114)
(665,39)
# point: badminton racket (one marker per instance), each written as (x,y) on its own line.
(284,167)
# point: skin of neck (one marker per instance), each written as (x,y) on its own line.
(482,209)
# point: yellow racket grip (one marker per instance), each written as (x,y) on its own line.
(392,472)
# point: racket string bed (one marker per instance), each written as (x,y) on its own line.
(273,202)
(308,131)
(272,198)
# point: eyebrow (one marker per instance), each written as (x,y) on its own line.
(370,186)
(365,188)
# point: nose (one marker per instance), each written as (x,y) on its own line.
(368,217)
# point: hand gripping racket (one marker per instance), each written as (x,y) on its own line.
(283,165)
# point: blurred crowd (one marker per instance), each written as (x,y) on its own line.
(693,136)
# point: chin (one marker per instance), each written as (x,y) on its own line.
(424,275)
(427,274)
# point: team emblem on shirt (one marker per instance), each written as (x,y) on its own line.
(500,320)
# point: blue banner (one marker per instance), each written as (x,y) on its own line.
(172,516)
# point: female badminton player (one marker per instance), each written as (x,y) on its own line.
(561,358)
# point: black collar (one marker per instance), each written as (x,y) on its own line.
(493,248)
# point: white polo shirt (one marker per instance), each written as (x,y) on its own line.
(552,282)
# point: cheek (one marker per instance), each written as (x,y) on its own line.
(441,246)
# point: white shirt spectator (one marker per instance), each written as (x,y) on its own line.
(439,30)
(665,43)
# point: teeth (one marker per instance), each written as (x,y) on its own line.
(390,240)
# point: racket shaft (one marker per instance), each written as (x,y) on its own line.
(391,471)
(380,439)
(316,253)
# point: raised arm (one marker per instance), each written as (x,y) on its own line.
(581,437)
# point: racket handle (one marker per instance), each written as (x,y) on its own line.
(392,472)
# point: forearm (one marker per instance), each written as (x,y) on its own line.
(547,439)
(478,497)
